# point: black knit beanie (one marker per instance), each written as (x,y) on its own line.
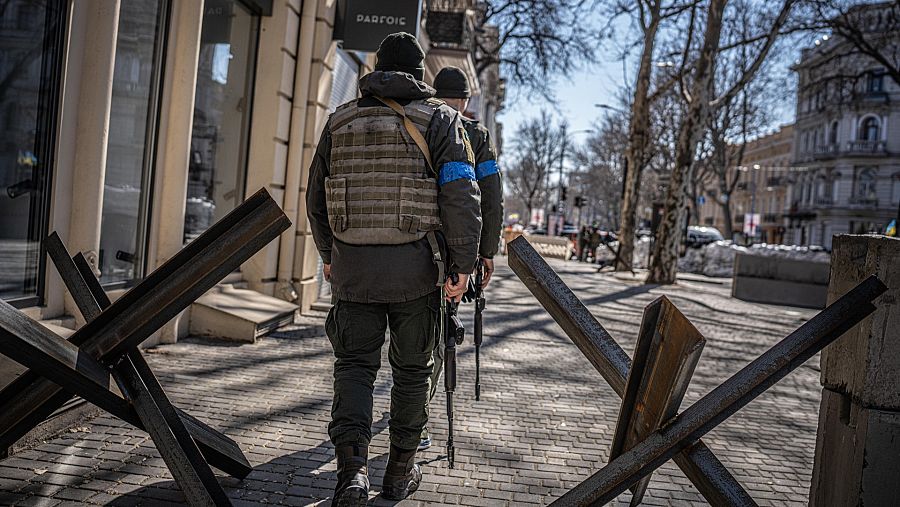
(451,83)
(401,52)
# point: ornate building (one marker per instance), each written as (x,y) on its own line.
(847,135)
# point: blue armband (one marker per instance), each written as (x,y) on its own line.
(452,171)
(486,168)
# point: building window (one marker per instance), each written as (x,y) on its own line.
(869,130)
(865,184)
(895,189)
(133,119)
(222,110)
(833,133)
(31,42)
(875,82)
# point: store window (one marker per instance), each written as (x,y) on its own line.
(132,132)
(32,35)
(222,110)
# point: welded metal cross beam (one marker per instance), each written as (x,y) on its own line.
(665,356)
(30,344)
(149,305)
(727,398)
(160,418)
(698,463)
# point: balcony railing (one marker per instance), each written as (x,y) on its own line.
(866,148)
(450,5)
(851,148)
(824,202)
(826,151)
(863,202)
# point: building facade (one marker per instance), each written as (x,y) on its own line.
(847,134)
(760,194)
(837,169)
(131,126)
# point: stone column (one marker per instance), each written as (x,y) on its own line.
(858,442)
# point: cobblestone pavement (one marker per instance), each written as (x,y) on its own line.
(545,421)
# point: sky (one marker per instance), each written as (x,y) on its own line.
(600,83)
(576,97)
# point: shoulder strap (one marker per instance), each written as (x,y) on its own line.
(410,128)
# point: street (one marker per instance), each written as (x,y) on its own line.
(545,421)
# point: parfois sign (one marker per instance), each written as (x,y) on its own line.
(362,24)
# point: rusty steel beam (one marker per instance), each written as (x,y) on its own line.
(219,450)
(727,398)
(156,300)
(35,346)
(698,463)
(178,449)
(665,356)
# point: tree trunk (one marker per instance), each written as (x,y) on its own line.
(664,264)
(638,137)
(726,213)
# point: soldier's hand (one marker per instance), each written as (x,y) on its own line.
(488,271)
(327,271)
(454,291)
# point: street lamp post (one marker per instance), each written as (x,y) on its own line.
(562,161)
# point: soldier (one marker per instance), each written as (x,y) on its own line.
(452,87)
(375,204)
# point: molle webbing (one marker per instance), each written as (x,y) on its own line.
(379,190)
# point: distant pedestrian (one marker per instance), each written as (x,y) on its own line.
(595,242)
(584,243)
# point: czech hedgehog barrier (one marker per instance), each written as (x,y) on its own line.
(101,362)
(649,431)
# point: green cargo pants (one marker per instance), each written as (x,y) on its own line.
(357,333)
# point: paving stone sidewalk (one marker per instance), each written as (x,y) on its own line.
(545,421)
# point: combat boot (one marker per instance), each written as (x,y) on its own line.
(352,482)
(402,475)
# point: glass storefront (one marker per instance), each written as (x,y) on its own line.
(132,132)
(222,107)
(31,41)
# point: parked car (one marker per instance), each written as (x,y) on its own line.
(698,236)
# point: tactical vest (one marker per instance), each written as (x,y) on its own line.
(380,191)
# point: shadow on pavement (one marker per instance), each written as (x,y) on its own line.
(292,479)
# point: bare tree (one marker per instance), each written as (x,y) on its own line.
(649,15)
(535,154)
(701,100)
(869,28)
(735,120)
(600,169)
(538,41)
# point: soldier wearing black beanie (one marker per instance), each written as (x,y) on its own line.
(381,263)
(401,52)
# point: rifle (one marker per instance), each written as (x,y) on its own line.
(479,308)
(454,332)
